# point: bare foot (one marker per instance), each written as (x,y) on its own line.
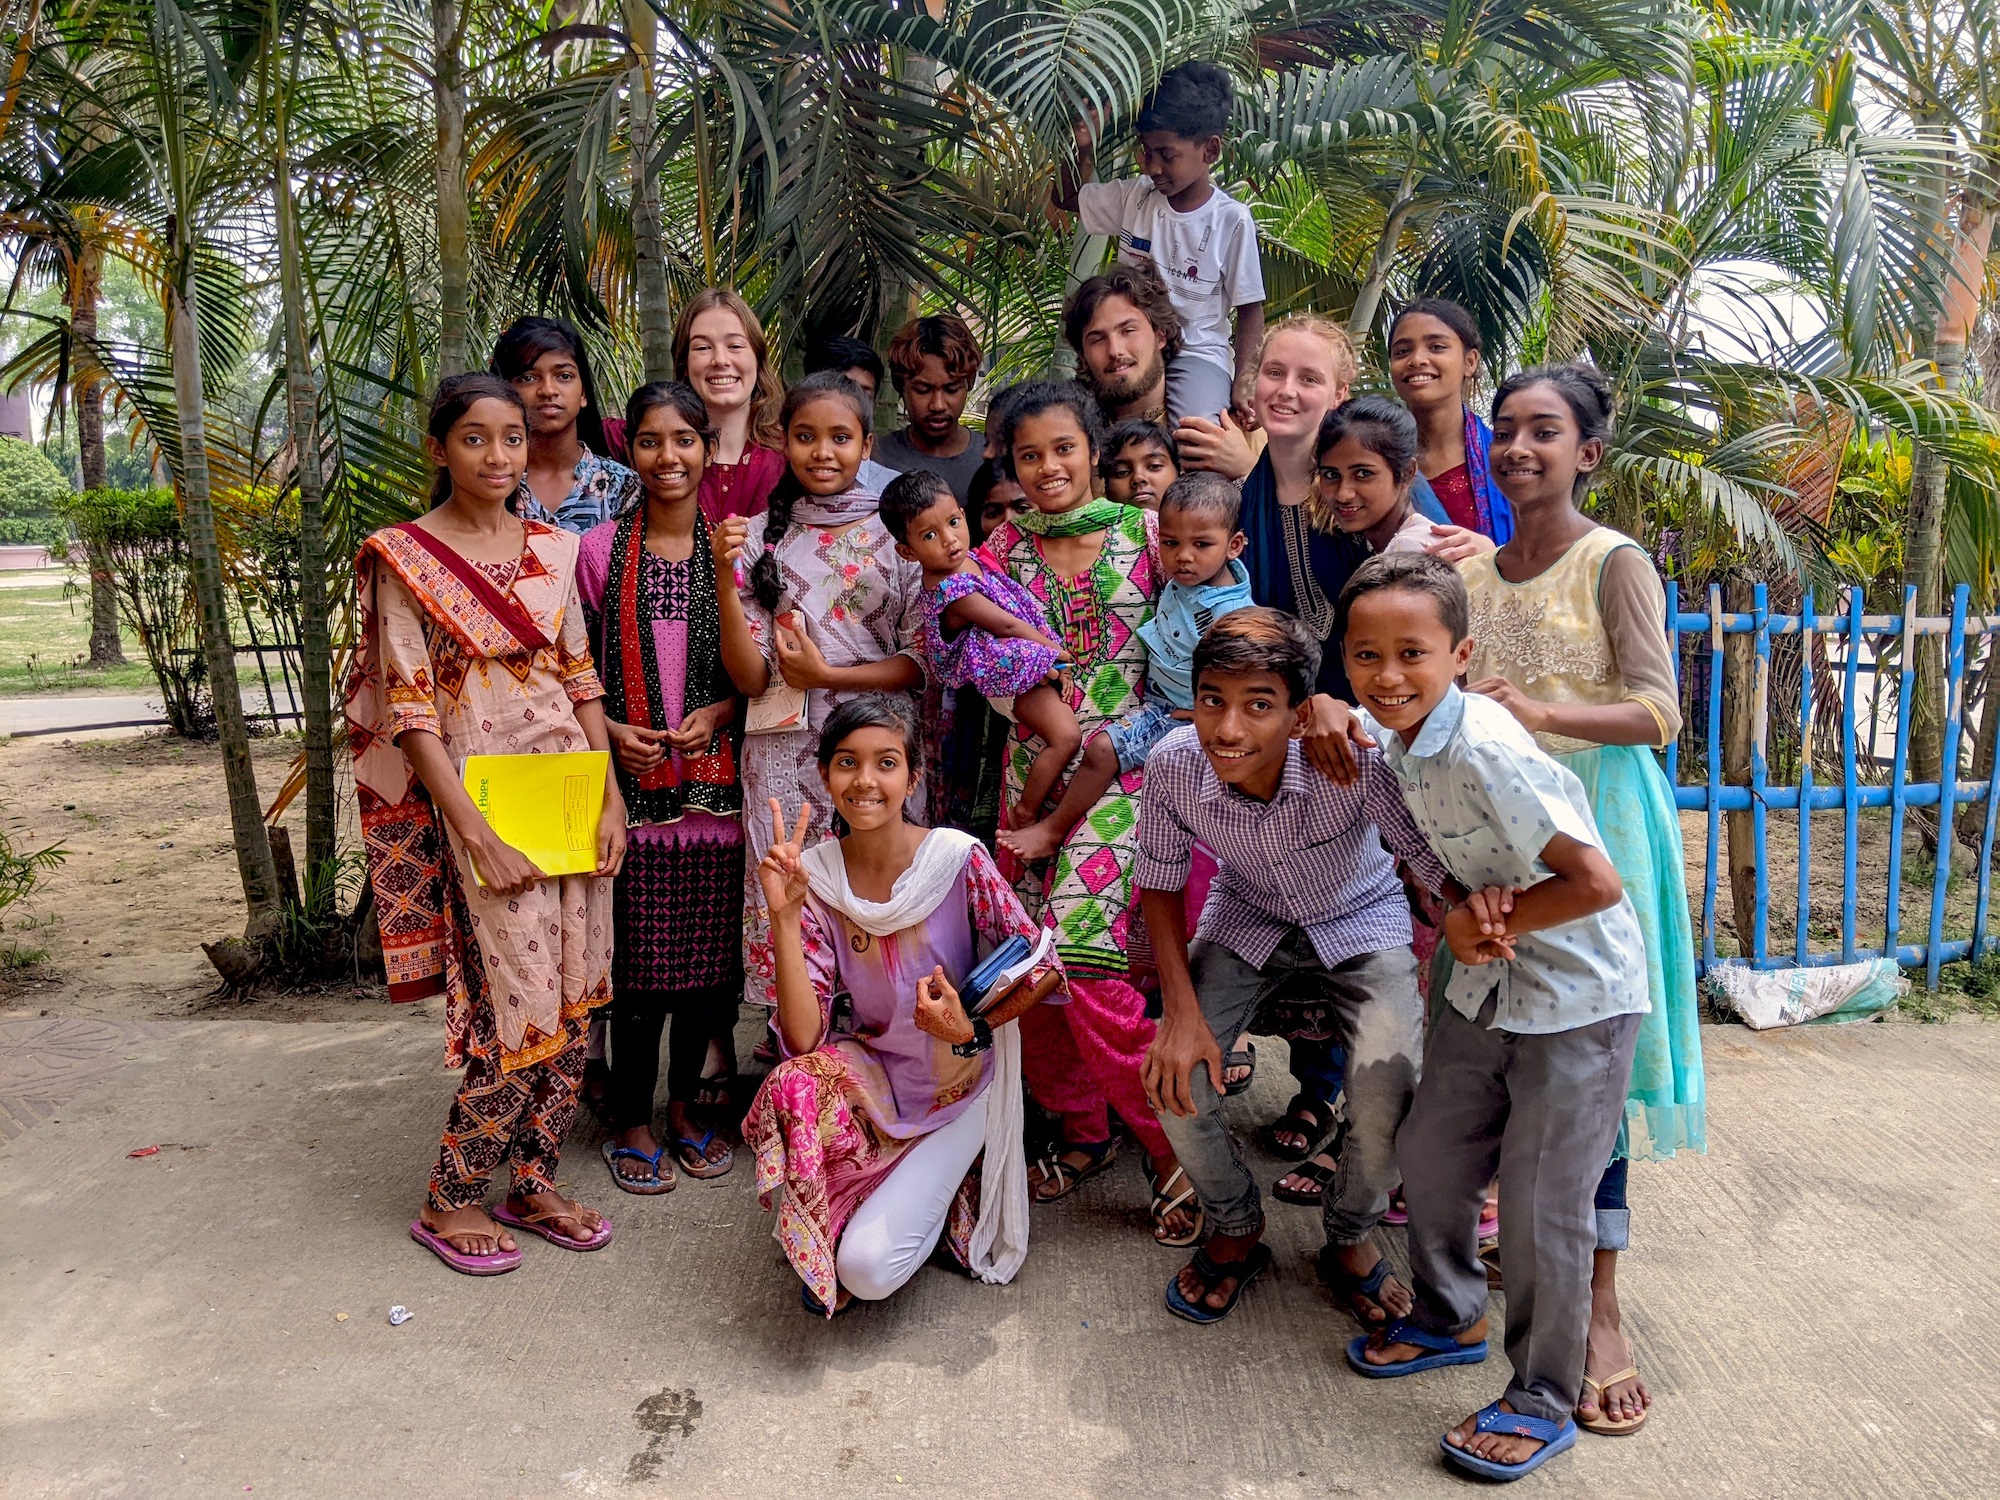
(1607,1353)
(571,1220)
(1494,1447)
(1036,841)
(1379,1353)
(469,1231)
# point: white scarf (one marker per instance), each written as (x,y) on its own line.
(1000,1237)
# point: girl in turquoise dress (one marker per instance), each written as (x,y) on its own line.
(1569,621)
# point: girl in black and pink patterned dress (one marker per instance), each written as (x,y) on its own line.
(647,579)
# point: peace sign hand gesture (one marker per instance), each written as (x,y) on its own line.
(782,872)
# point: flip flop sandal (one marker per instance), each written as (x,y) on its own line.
(1605,1426)
(1344,1284)
(1444,1350)
(817,1308)
(539,1224)
(1244,1056)
(1555,1437)
(691,1156)
(1317,1173)
(1068,1179)
(1303,1117)
(638,1186)
(498,1263)
(1164,1205)
(1399,1211)
(1212,1274)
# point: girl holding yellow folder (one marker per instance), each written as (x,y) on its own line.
(473,643)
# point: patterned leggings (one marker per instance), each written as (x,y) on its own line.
(496,1115)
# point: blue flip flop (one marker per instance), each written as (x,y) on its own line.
(640,1186)
(1211,1271)
(1555,1437)
(691,1156)
(1445,1350)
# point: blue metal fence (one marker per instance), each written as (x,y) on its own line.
(1847,638)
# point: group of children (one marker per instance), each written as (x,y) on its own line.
(932,762)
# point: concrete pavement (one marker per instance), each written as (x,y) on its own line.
(1814,1303)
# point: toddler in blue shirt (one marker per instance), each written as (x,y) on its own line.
(1200,549)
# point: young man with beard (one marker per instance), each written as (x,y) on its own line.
(1124,331)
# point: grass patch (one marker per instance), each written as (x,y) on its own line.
(1964,989)
(45,642)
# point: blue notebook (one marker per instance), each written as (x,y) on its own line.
(1002,969)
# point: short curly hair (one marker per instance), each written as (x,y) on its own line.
(941,335)
(1139,285)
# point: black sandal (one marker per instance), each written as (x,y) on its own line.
(1310,1118)
(1317,1173)
(1244,1056)
(1066,1178)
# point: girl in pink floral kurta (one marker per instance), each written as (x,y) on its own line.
(825,561)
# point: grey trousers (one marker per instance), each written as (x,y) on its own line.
(1374,1000)
(1197,387)
(1544,1110)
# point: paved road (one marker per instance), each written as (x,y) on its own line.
(110,713)
(1815,1303)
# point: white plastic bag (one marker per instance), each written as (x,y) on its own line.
(1790,997)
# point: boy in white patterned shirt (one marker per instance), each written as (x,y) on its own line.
(1528,1058)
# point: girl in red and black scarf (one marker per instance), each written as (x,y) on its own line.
(648,585)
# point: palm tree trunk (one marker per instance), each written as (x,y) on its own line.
(1923,557)
(1368,298)
(649,251)
(315,643)
(86,286)
(254,865)
(454,251)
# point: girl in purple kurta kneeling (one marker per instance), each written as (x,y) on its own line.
(868,1133)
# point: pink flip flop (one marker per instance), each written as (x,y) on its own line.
(499,1262)
(539,1224)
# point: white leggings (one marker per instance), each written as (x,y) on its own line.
(897,1226)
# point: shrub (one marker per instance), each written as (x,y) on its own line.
(139,534)
(32,491)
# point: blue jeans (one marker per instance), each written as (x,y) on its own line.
(1133,736)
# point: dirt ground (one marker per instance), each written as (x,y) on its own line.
(149,875)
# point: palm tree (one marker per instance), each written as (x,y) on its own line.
(158,79)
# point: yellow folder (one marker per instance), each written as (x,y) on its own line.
(547,806)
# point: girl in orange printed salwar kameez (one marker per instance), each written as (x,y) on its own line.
(473,642)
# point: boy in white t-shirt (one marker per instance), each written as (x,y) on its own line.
(1202,241)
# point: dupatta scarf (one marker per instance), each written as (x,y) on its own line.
(399,825)
(629,666)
